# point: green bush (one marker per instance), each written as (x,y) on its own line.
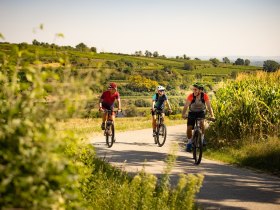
(143,103)
(35,172)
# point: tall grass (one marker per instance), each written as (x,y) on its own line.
(110,188)
(248,108)
(248,122)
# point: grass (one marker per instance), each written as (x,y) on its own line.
(87,127)
(264,155)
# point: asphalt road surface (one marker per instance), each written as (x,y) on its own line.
(224,187)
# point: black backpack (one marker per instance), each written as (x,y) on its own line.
(201,98)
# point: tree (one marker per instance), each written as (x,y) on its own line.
(35,42)
(239,61)
(82,47)
(197,59)
(226,60)
(188,66)
(270,66)
(155,54)
(93,49)
(215,62)
(247,62)
(148,53)
(186,57)
(138,53)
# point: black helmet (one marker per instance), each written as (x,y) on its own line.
(198,86)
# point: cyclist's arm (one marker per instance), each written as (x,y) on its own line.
(153,104)
(208,104)
(119,103)
(186,107)
(169,106)
(100,103)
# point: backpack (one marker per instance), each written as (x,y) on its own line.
(201,98)
(156,97)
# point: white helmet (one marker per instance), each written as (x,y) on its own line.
(160,88)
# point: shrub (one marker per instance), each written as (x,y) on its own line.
(142,103)
(35,173)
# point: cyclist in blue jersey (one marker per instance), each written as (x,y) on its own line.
(159,100)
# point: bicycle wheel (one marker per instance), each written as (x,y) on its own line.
(156,137)
(110,135)
(197,148)
(162,135)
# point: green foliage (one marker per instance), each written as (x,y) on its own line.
(271,66)
(239,61)
(188,66)
(143,103)
(35,172)
(247,108)
(139,83)
(247,62)
(109,188)
(262,155)
(82,47)
(226,60)
(215,62)
(43,168)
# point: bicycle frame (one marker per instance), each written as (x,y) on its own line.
(109,131)
(160,137)
(197,141)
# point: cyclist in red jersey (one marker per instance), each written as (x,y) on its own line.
(107,100)
(196,102)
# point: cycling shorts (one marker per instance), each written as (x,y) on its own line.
(157,110)
(193,115)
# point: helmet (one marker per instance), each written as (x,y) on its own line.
(113,85)
(198,86)
(160,88)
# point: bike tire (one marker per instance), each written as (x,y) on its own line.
(110,138)
(162,135)
(197,148)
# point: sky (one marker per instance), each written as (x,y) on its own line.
(171,27)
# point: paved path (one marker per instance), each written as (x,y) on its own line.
(224,186)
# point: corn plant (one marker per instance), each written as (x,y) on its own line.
(248,108)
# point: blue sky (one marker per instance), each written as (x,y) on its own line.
(177,27)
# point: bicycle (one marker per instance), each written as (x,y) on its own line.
(197,140)
(109,131)
(161,130)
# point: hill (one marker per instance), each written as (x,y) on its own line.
(132,73)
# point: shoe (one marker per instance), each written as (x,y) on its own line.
(154,133)
(103,126)
(189,147)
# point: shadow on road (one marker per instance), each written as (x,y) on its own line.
(224,186)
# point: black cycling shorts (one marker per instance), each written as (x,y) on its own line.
(157,110)
(193,115)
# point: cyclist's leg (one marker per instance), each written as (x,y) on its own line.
(202,125)
(154,121)
(190,126)
(162,114)
(104,118)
